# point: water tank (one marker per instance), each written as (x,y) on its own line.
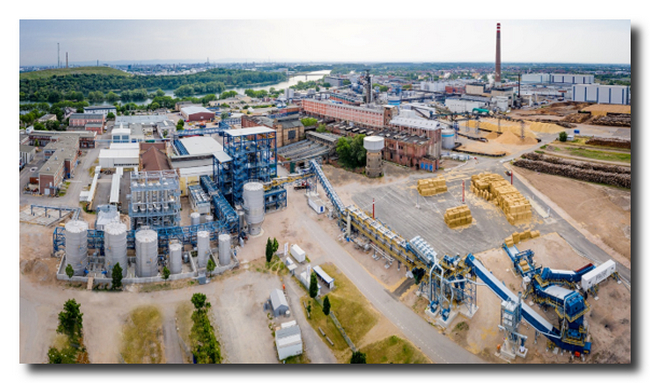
(115,247)
(448,139)
(254,206)
(146,253)
(373,143)
(242,217)
(209,218)
(76,245)
(175,257)
(202,247)
(195,218)
(224,249)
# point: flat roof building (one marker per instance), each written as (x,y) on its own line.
(196,113)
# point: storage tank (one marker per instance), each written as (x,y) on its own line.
(175,257)
(374,160)
(448,139)
(115,247)
(146,253)
(195,218)
(242,218)
(76,245)
(224,249)
(209,218)
(202,248)
(254,206)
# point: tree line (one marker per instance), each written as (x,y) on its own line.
(73,87)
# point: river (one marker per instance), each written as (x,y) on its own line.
(293,80)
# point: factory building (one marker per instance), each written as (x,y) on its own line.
(288,340)
(602,94)
(43,137)
(81,119)
(557,78)
(61,159)
(289,128)
(476,88)
(334,80)
(196,113)
(153,156)
(461,105)
(27,154)
(360,116)
(120,154)
(94,127)
(196,160)
(345,99)
(102,109)
(155,199)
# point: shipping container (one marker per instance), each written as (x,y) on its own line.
(298,254)
(598,275)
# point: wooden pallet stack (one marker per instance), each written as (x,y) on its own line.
(458,216)
(515,238)
(432,186)
(493,187)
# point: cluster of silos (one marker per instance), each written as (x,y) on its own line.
(115,247)
(254,206)
(374,163)
(175,257)
(202,248)
(146,253)
(76,245)
(448,139)
(224,249)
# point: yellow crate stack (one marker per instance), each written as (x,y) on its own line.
(515,238)
(432,186)
(493,187)
(458,216)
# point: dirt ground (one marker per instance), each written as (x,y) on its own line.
(604,211)
(609,317)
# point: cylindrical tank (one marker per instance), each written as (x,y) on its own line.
(209,218)
(115,247)
(242,218)
(224,249)
(175,257)
(254,206)
(374,160)
(195,218)
(373,143)
(448,141)
(146,253)
(76,245)
(202,248)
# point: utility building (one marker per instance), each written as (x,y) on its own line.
(288,340)
(602,94)
(279,304)
(196,113)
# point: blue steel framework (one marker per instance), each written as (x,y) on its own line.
(155,199)
(223,210)
(253,157)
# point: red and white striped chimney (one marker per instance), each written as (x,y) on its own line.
(497,77)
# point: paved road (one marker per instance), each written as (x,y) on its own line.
(314,343)
(436,346)
(173,352)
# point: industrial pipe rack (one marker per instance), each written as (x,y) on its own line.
(75,210)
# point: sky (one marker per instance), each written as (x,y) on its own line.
(330,40)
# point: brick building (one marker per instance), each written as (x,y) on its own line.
(365,117)
(43,137)
(81,119)
(289,128)
(196,113)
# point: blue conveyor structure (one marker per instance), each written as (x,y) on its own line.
(523,261)
(180,148)
(329,190)
(224,212)
(566,338)
(566,277)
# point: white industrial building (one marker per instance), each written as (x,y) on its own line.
(201,145)
(288,340)
(557,78)
(457,105)
(120,154)
(602,94)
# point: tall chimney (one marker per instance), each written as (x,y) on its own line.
(497,77)
(66,59)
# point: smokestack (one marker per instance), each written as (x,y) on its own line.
(497,77)
(66,60)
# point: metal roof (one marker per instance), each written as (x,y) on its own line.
(288,336)
(201,145)
(278,299)
(419,123)
(323,275)
(140,119)
(92,116)
(195,109)
(248,131)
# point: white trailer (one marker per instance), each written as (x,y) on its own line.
(298,254)
(317,204)
(598,275)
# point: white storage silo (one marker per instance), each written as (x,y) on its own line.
(254,206)
(146,253)
(448,139)
(374,162)
(224,249)
(175,257)
(76,245)
(195,218)
(209,218)
(202,248)
(115,247)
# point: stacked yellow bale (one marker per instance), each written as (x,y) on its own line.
(493,187)
(458,216)
(515,238)
(432,186)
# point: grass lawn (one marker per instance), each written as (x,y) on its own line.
(318,319)
(600,155)
(393,350)
(350,307)
(298,359)
(142,336)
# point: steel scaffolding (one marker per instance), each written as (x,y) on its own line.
(155,199)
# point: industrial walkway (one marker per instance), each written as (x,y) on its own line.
(436,346)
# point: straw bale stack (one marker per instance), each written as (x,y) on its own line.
(493,187)
(458,216)
(432,186)
(515,238)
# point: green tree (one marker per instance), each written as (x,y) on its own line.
(309,308)
(154,106)
(67,355)
(165,273)
(199,301)
(309,121)
(358,357)
(562,136)
(313,285)
(326,305)
(116,275)
(180,124)
(159,92)
(322,128)
(383,88)
(110,116)
(224,116)
(112,97)
(276,245)
(269,250)
(70,321)
(39,126)
(69,271)
(52,125)
(210,266)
